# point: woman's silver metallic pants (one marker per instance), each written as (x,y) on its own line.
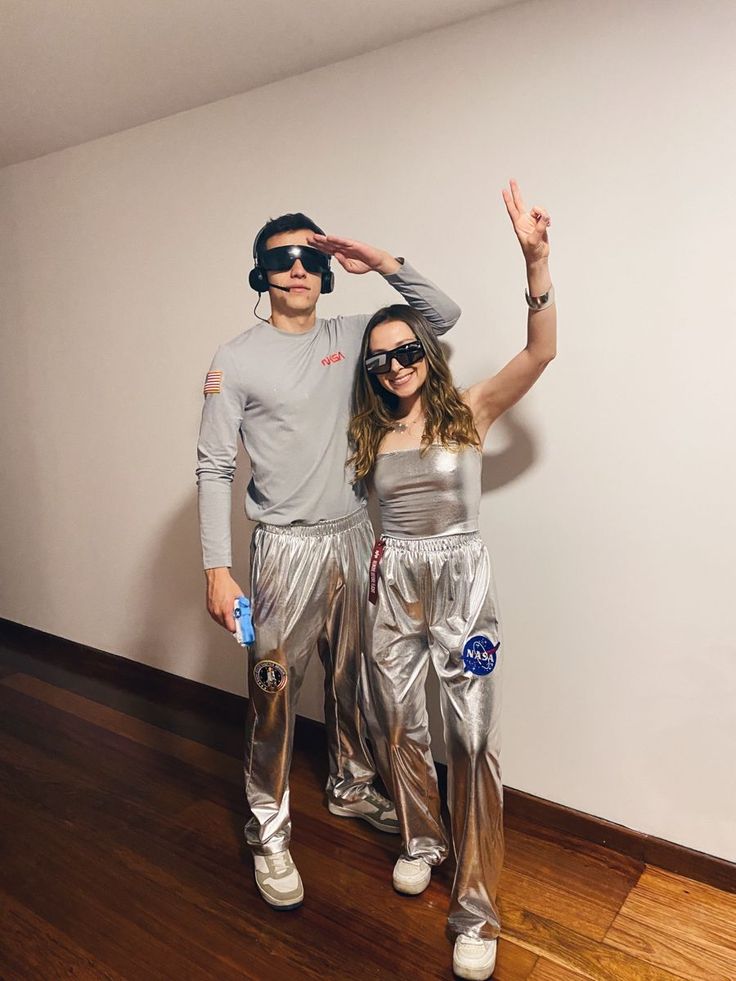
(308,585)
(436,601)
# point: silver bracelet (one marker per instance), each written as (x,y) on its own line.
(536,303)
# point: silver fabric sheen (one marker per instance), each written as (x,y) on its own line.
(308,586)
(427,492)
(434,595)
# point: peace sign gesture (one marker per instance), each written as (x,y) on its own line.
(530,226)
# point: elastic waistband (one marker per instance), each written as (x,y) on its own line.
(439,543)
(320,529)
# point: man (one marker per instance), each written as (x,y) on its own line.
(284,385)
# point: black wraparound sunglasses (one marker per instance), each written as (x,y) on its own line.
(405,354)
(284,257)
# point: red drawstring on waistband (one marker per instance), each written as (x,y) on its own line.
(376,556)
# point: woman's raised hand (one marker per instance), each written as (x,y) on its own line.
(530,225)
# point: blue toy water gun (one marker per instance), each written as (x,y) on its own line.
(244,633)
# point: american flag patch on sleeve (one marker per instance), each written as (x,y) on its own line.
(213,383)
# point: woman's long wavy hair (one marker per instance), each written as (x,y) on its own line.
(449,421)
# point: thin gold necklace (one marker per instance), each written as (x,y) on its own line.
(403,427)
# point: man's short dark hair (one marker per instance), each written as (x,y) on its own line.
(284,223)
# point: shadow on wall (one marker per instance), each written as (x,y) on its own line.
(517,456)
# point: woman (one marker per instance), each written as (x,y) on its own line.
(419,439)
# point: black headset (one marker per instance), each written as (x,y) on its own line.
(257,278)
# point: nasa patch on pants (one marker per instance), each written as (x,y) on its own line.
(270,676)
(480,654)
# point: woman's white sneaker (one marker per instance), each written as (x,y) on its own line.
(412,875)
(278,880)
(473,958)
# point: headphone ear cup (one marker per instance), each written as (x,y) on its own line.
(328,281)
(257,280)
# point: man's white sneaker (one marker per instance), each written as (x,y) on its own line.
(374,808)
(474,958)
(412,875)
(278,880)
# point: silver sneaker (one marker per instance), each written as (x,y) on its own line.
(474,958)
(374,808)
(411,875)
(278,880)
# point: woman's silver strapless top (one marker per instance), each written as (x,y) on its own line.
(430,494)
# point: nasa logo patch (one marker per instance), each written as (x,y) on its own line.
(270,676)
(479,655)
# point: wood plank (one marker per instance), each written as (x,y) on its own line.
(686,927)
(124,918)
(578,885)
(31,948)
(61,761)
(513,963)
(576,953)
(191,752)
(549,971)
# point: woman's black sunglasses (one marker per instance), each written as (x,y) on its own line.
(406,354)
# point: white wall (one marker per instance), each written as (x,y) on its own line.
(609,504)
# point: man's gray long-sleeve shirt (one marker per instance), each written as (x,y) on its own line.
(288,397)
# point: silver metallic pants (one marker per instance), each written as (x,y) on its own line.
(436,601)
(308,587)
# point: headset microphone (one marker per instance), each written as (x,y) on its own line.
(285,289)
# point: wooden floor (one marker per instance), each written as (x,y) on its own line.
(120,857)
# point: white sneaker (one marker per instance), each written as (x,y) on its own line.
(374,808)
(412,875)
(474,958)
(278,880)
